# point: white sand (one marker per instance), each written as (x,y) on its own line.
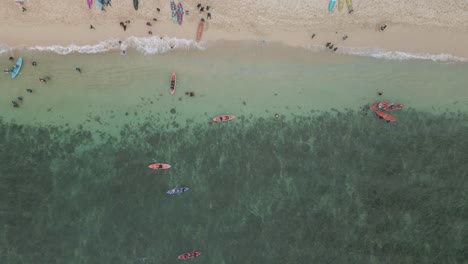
(430,26)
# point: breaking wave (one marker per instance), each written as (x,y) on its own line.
(145,45)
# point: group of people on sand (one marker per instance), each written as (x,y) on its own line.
(203,8)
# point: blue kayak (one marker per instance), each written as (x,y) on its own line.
(331,5)
(99,4)
(17,68)
(177,190)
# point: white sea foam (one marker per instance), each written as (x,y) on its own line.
(145,45)
(400,55)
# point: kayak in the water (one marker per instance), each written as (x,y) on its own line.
(173,82)
(223,118)
(159,166)
(189,255)
(386,105)
(177,190)
(385,116)
(393,107)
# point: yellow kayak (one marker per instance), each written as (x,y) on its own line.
(340,5)
(349,3)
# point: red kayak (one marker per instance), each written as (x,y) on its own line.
(385,117)
(159,166)
(173,82)
(380,105)
(189,255)
(393,107)
(223,118)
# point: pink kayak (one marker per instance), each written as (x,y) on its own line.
(223,118)
(90,3)
(159,166)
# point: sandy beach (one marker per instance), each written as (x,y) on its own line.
(435,27)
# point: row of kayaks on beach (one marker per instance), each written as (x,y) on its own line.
(349,4)
(177,12)
(380,107)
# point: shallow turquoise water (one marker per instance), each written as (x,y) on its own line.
(328,183)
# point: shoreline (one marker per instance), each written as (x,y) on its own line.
(417,39)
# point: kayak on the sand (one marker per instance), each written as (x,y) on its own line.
(90,3)
(189,255)
(200,29)
(159,166)
(173,82)
(223,118)
(385,116)
(177,190)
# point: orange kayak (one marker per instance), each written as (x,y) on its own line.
(200,29)
(223,118)
(159,166)
(379,105)
(385,117)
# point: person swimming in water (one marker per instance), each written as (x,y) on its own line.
(78,69)
(29,90)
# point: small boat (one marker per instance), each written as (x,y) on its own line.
(159,166)
(223,118)
(177,190)
(386,117)
(189,255)
(16,69)
(173,82)
(200,29)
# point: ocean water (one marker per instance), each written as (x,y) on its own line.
(325,183)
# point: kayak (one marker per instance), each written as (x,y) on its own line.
(349,4)
(90,3)
(223,118)
(17,68)
(180,13)
(99,4)
(385,116)
(331,5)
(393,107)
(387,106)
(159,166)
(174,12)
(173,82)
(379,105)
(177,190)
(135,4)
(189,255)
(200,29)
